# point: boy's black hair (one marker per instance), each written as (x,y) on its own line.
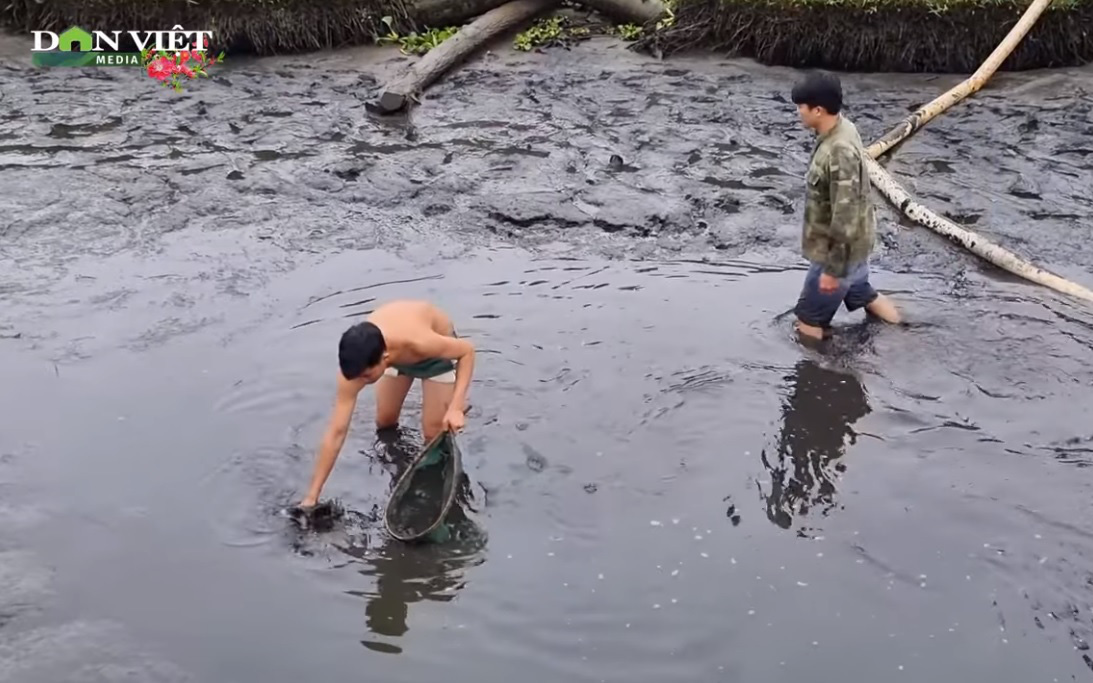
(362,346)
(819,89)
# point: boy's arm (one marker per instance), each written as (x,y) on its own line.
(345,400)
(460,350)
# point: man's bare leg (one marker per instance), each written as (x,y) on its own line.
(883,308)
(390,395)
(435,399)
(810,331)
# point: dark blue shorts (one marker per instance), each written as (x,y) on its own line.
(817,309)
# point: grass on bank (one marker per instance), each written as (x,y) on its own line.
(558,31)
(632,32)
(550,32)
(855,35)
(938,36)
(415,43)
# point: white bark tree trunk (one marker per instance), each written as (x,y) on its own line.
(976,244)
(908,126)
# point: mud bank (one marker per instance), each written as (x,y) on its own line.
(662,478)
(597,145)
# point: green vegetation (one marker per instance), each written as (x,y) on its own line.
(557,31)
(415,43)
(632,32)
(629,32)
(550,32)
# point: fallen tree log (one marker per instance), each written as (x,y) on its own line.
(422,73)
(632,11)
(918,213)
(438,13)
(908,126)
(976,244)
(450,12)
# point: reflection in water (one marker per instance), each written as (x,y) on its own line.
(816,419)
(406,573)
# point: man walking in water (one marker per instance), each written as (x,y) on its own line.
(839,223)
(400,342)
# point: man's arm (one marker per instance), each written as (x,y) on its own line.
(845,193)
(345,401)
(451,348)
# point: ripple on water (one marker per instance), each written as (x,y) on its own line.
(265,392)
(92,651)
(268,473)
(24,584)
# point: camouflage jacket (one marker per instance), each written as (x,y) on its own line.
(840,224)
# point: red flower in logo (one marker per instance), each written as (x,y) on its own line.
(161,68)
(170,68)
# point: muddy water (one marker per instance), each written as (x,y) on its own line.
(666,487)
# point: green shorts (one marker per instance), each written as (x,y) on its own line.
(433,369)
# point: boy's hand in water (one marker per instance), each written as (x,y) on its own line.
(454,420)
(315,516)
(307,503)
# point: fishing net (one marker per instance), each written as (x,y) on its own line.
(424,494)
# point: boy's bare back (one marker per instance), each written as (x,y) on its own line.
(405,320)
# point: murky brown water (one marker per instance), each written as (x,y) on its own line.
(666,487)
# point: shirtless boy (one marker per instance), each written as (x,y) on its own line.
(400,342)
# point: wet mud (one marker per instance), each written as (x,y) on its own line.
(661,484)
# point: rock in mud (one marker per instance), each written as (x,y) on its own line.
(527,210)
(779,202)
(1025,188)
(624,208)
(432,210)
